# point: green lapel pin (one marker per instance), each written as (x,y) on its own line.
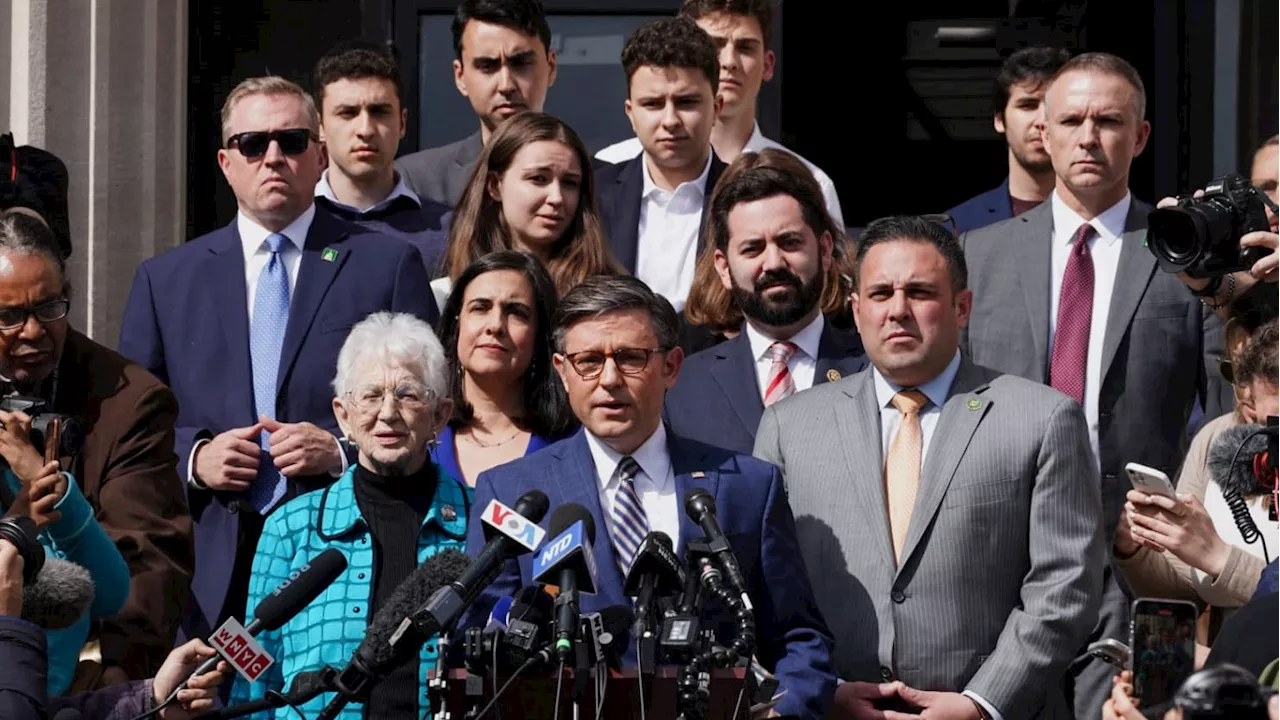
(974,404)
(329,255)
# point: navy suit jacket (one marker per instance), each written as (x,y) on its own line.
(792,638)
(717,399)
(186,321)
(982,210)
(619,192)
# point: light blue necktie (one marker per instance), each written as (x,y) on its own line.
(266,339)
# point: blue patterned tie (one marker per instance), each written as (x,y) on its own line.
(266,339)
(630,524)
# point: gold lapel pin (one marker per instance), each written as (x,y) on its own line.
(833,375)
(974,404)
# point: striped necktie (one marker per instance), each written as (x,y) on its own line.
(630,524)
(266,342)
(780,385)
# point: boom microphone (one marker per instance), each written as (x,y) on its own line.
(700,506)
(60,595)
(302,587)
(1238,459)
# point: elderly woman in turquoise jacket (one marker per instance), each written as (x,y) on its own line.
(391,511)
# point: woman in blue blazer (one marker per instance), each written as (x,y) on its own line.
(507,400)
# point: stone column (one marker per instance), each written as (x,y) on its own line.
(102,84)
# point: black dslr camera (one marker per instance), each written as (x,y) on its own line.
(41,421)
(1202,235)
(1222,692)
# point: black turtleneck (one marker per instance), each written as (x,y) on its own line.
(394,508)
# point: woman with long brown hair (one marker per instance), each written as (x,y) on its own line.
(532,191)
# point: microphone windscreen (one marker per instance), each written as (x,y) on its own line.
(438,571)
(533,505)
(568,514)
(60,595)
(1232,470)
(697,502)
(300,589)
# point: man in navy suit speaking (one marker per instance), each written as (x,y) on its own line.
(617,354)
(245,323)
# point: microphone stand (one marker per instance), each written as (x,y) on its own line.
(438,686)
(306,686)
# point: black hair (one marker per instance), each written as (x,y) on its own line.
(524,16)
(1034,65)
(602,294)
(546,406)
(761,10)
(673,42)
(916,229)
(1259,362)
(353,60)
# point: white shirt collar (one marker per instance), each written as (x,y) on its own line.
(757,141)
(252,235)
(807,339)
(699,185)
(936,389)
(325,190)
(1109,224)
(652,457)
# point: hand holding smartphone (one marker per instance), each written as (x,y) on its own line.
(1162,637)
(1150,480)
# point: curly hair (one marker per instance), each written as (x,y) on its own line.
(674,42)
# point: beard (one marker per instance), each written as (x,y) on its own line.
(1034,163)
(789,309)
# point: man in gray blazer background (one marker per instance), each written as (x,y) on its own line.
(950,512)
(1067,294)
(503,64)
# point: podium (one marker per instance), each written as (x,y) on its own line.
(533,697)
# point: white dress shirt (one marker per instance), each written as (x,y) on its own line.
(655,483)
(325,190)
(627,149)
(253,238)
(936,390)
(667,240)
(801,365)
(1105,249)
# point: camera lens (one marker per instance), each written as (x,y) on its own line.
(1175,232)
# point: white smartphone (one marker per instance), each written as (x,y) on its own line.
(1150,480)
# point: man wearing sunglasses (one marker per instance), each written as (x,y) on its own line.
(245,325)
(123,462)
(616,353)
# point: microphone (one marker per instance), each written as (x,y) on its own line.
(655,572)
(59,597)
(568,562)
(1238,461)
(701,508)
(615,622)
(499,614)
(298,590)
(391,638)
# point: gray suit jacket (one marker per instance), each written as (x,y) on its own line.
(442,173)
(1001,573)
(1154,347)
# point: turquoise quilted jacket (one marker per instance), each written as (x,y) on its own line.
(330,629)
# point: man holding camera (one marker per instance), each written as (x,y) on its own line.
(1068,294)
(121,456)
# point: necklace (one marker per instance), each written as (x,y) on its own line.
(470,437)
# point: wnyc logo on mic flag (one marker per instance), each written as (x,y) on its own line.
(513,525)
(240,650)
(561,548)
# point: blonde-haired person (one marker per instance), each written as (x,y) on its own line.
(389,512)
(533,190)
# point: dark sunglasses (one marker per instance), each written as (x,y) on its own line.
(254,144)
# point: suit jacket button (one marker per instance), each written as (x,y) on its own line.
(886,674)
(898,596)
(233,507)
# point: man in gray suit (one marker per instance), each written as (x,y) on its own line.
(1067,294)
(951,512)
(503,63)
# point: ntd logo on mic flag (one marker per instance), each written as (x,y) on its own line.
(513,525)
(568,547)
(240,650)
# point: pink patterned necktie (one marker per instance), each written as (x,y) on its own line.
(1070,357)
(780,385)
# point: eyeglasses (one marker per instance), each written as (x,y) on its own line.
(629,361)
(13,318)
(254,144)
(368,400)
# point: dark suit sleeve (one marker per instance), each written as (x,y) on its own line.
(793,639)
(143,510)
(23,684)
(508,581)
(1062,590)
(413,288)
(140,341)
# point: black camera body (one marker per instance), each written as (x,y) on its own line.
(41,416)
(1202,235)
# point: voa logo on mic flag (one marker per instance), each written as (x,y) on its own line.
(513,525)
